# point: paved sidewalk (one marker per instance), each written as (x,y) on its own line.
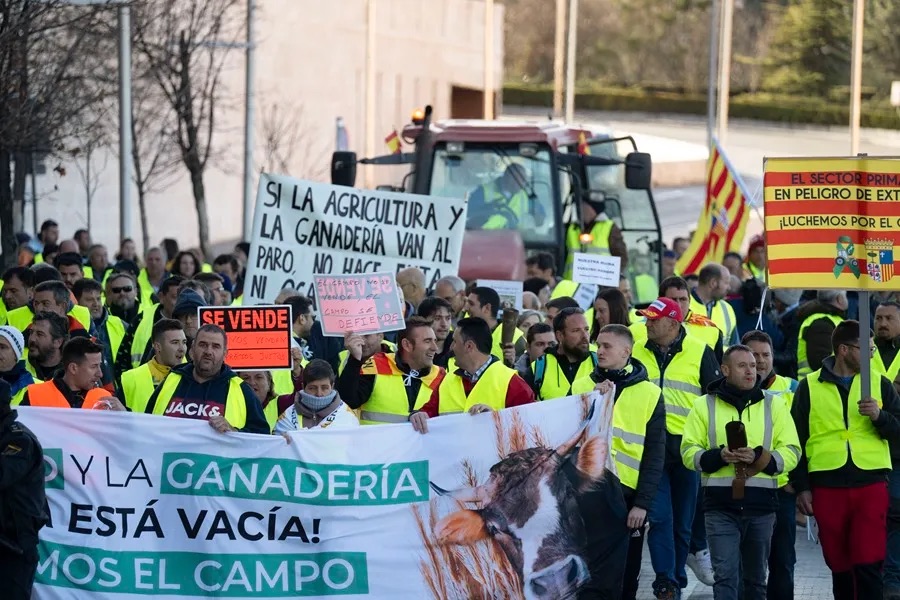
(812,579)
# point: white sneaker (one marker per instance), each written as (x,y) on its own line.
(701,565)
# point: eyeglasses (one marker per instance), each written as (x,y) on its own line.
(118,290)
(871,348)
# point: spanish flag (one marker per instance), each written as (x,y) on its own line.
(393,142)
(723,219)
(583,148)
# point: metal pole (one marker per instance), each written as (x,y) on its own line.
(488,59)
(713,71)
(370,87)
(125,141)
(249,90)
(570,60)
(725,68)
(865,363)
(559,58)
(856,74)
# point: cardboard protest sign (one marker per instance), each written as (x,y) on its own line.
(146,506)
(510,292)
(258,337)
(359,303)
(303,228)
(596,269)
(832,222)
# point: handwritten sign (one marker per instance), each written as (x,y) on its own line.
(596,269)
(358,303)
(510,292)
(303,228)
(258,337)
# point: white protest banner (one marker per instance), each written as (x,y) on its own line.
(359,303)
(172,509)
(510,292)
(302,228)
(585,294)
(596,269)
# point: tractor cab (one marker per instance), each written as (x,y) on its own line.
(524,182)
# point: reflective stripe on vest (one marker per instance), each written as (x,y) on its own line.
(631,413)
(803,367)
(137,387)
(681,382)
(551,381)
(783,387)
(47,395)
(490,389)
(599,244)
(759,433)
(389,402)
(832,440)
(235,407)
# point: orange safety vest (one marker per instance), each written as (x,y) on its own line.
(48,395)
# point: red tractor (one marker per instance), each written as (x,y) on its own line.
(558,165)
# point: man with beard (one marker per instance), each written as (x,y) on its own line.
(121,297)
(207,389)
(137,347)
(440,313)
(389,387)
(169,349)
(553,373)
(638,449)
(110,328)
(847,490)
(47,335)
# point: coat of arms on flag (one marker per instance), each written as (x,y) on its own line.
(880,259)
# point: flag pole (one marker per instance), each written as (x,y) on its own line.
(865,371)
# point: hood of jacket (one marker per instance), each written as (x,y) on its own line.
(740,399)
(633,373)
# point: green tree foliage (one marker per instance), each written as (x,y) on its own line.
(810,52)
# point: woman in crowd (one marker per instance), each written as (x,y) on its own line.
(610,307)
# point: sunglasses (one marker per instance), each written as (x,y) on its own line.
(118,290)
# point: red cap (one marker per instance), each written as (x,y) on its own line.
(662,308)
(755,242)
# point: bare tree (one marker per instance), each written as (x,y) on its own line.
(289,147)
(185,44)
(90,158)
(48,51)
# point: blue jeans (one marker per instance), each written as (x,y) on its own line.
(739,549)
(892,558)
(783,555)
(671,518)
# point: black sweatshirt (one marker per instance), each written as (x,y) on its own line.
(887,425)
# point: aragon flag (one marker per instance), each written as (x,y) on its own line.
(723,219)
(393,142)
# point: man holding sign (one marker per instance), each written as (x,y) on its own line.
(388,387)
(207,389)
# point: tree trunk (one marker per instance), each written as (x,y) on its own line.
(200,202)
(142,208)
(20,176)
(7,213)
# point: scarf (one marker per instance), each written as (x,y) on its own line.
(314,403)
